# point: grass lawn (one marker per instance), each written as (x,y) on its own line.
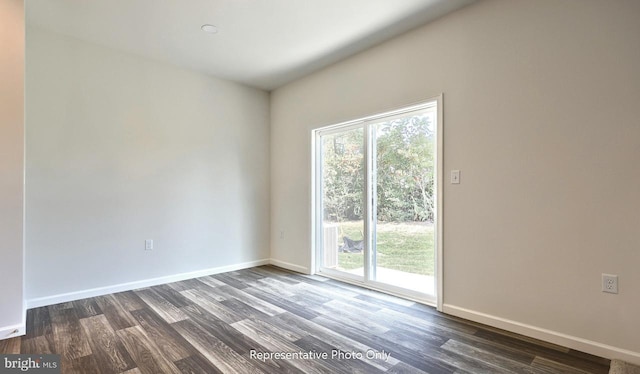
(405,246)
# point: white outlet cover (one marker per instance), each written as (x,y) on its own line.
(148,244)
(610,283)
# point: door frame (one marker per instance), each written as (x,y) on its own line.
(316,202)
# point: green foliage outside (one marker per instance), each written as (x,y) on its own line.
(343,176)
(405,247)
(404,172)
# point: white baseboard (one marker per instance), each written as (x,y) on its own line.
(83,294)
(573,342)
(290,266)
(8,332)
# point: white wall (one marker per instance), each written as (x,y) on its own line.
(121,149)
(11,166)
(541,115)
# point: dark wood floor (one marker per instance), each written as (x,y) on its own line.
(211,324)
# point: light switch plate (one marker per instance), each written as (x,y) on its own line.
(455,176)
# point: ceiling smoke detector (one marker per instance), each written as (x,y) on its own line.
(209,29)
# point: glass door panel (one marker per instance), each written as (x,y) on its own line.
(343,184)
(403,174)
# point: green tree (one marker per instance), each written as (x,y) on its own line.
(343,175)
(404,158)
(404,171)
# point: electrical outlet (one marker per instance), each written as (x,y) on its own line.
(609,283)
(281,234)
(148,244)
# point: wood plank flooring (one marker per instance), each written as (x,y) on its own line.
(211,325)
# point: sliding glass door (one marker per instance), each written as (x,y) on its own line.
(376,201)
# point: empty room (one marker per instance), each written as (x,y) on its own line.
(305,186)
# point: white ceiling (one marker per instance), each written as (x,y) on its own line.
(261,43)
